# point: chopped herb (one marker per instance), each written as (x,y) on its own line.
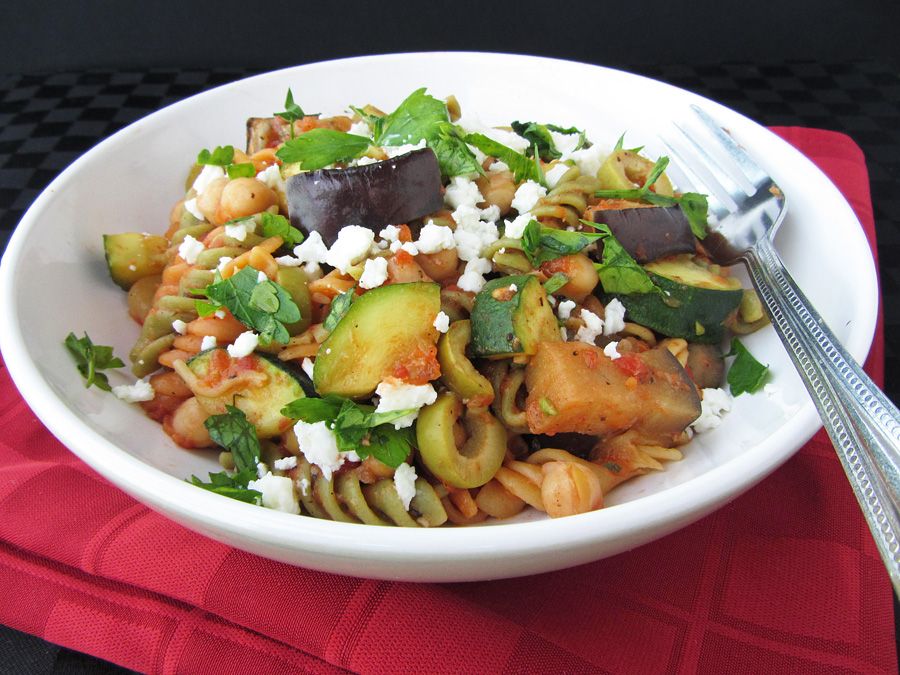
(555,282)
(547,407)
(612,466)
(204,307)
(453,155)
(367,117)
(91,359)
(746,373)
(222,155)
(265,311)
(292,112)
(275,225)
(542,145)
(541,243)
(357,427)
(417,118)
(233,431)
(231,485)
(522,167)
(618,271)
(621,142)
(339,306)
(319,148)
(243,170)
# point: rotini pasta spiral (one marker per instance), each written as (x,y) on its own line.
(566,203)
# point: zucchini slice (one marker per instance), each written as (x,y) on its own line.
(261,397)
(512,316)
(383,328)
(131,256)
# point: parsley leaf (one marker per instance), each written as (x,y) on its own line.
(317,148)
(222,155)
(541,243)
(696,209)
(618,271)
(265,310)
(555,282)
(243,170)
(415,119)
(746,373)
(357,427)
(453,155)
(522,167)
(231,485)
(234,432)
(292,112)
(538,135)
(91,359)
(339,306)
(275,225)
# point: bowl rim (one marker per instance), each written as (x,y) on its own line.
(212,513)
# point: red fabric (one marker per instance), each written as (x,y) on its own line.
(786,579)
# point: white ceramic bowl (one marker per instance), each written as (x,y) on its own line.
(54,281)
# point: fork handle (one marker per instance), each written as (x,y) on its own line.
(861,421)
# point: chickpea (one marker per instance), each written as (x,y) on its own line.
(498,189)
(208,201)
(186,425)
(439,266)
(580,270)
(170,383)
(244,197)
(225,330)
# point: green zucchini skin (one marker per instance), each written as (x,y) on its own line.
(131,256)
(262,405)
(506,324)
(690,312)
(383,326)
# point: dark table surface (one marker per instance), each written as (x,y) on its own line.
(48,120)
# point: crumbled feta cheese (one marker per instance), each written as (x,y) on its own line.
(554,174)
(491,213)
(442,322)
(312,250)
(209,173)
(471,234)
(397,150)
(364,160)
(261,277)
(361,128)
(588,160)
(714,404)
(516,228)
(219,314)
(471,124)
(513,288)
(551,300)
(613,317)
(288,261)
(307,366)
(564,311)
(563,334)
(611,350)
(462,190)
(472,278)
(319,446)
(238,231)
(396,246)
(271,176)
(208,342)
(141,390)
(565,143)
(434,238)
(498,166)
(390,233)
(410,248)
(285,463)
(243,345)
(405,483)
(190,248)
(592,328)
(397,395)
(353,244)
(374,273)
(527,195)
(179,326)
(223,261)
(261,469)
(303,484)
(277,493)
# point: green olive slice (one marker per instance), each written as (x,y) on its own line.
(627,170)
(457,370)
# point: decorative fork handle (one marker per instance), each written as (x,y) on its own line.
(861,421)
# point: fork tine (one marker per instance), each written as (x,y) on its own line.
(722,175)
(716,205)
(750,168)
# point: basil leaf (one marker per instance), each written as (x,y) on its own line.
(555,282)
(222,155)
(318,148)
(391,446)
(453,155)
(339,306)
(255,308)
(230,485)
(746,373)
(618,271)
(275,225)
(538,136)
(415,119)
(696,209)
(522,167)
(243,170)
(312,410)
(541,244)
(90,359)
(234,432)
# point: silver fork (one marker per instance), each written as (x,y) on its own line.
(861,421)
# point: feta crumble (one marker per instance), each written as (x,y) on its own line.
(189,249)
(361,128)
(307,366)
(554,174)
(527,195)
(374,273)
(410,248)
(714,404)
(471,234)
(491,213)
(141,390)
(405,483)
(397,150)
(208,342)
(472,278)
(613,317)
(592,328)
(390,233)
(271,177)
(442,322)
(219,314)
(462,190)
(190,205)
(516,228)
(611,350)
(312,252)
(223,261)
(179,326)
(285,463)
(238,231)
(434,238)
(243,345)
(261,277)
(209,173)
(319,446)
(564,311)
(588,160)
(277,492)
(397,395)
(352,244)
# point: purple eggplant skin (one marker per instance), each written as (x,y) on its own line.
(649,233)
(391,192)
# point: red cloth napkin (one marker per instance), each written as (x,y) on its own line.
(784,579)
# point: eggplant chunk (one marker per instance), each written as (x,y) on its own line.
(706,365)
(649,233)
(575,387)
(394,191)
